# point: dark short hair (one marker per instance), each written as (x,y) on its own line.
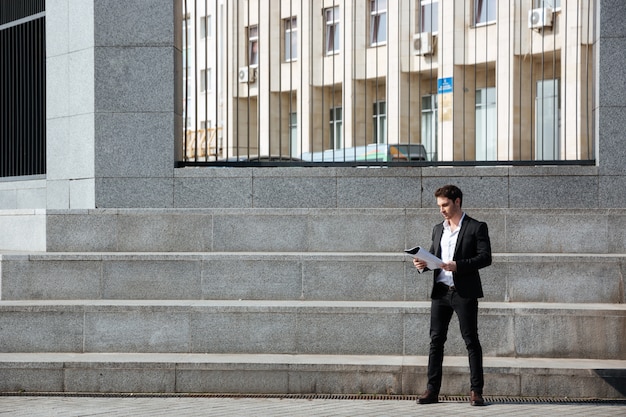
(450,191)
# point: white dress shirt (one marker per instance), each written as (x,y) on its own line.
(448,243)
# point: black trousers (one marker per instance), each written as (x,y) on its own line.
(441,312)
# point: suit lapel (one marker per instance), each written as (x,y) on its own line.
(437,240)
(459,238)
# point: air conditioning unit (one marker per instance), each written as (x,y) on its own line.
(247,74)
(423,43)
(539,18)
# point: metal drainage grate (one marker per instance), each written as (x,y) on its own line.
(384,397)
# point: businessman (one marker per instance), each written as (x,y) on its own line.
(463,245)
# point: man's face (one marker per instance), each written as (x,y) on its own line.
(449,208)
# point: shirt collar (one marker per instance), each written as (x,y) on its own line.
(446,224)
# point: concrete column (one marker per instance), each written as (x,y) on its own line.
(137,101)
(70,107)
(611,105)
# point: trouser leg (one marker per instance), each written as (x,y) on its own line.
(440,314)
(467,312)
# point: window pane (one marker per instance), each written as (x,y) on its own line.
(294,45)
(330,38)
(253,32)
(377,5)
(288,45)
(330,14)
(380,122)
(382,128)
(205,26)
(332,29)
(553,4)
(336,131)
(378,21)
(291,39)
(205,80)
(484,11)
(293,133)
(253,45)
(379,28)
(429,126)
(486,124)
(254,57)
(547,120)
(429,17)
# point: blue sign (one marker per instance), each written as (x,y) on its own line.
(444,85)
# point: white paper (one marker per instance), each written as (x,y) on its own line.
(432,262)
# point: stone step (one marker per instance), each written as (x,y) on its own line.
(303,374)
(349,276)
(545,330)
(514,230)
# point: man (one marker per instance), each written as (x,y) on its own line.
(463,245)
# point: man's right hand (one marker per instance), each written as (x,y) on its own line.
(421,265)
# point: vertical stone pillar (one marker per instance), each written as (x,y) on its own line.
(136,101)
(114,103)
(70,104)
(611,103)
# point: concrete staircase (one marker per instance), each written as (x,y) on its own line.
(302,301)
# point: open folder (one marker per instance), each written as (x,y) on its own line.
(432,262)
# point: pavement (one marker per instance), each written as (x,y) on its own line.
(127,406)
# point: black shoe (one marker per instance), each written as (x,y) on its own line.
(428,397)
(476,398)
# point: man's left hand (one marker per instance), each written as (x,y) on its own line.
(449,266)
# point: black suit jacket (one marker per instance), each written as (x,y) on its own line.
(472,252)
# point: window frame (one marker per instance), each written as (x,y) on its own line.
(486,10)
(379,120)
(429,118)
(206,84)
(434,23)
(551,106)
(253,45)
(541,4)
(332,30)
(293,133)
(290,39)
(336,128)
(378,23)
(206,26)
(490,109)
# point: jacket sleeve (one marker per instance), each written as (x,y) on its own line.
(476,251)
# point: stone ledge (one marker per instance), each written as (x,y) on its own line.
(304,327)
(349,276)
(302,374)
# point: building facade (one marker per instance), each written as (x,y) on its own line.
(114,107)
(469,80)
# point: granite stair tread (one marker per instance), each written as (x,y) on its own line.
(300,374)
(301,359)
